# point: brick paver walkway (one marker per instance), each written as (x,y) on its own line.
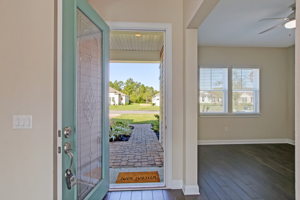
(142,150)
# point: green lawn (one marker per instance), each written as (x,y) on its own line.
(206,107)
(136,118)
(134,107)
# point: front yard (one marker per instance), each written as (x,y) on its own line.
(148,107)
(135,118)
(122,116)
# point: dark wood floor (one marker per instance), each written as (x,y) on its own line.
(232,172)
(247,172)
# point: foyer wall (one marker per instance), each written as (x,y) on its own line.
(26,87)
(276,120)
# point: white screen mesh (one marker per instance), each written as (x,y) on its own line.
(89,122)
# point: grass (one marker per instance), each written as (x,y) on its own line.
(206,107)
(219,108)
(136,118)
(135,107)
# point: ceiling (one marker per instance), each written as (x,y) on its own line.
(236,23)
(136,41)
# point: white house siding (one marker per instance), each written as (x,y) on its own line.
(124,99)
(117,98)
(114,99)
(156,100)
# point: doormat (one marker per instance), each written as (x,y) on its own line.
(138,177)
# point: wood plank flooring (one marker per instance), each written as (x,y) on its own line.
(234,172)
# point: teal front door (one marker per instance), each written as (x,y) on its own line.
(84,103)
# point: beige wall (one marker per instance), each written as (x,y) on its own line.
(195,12)
(291,92)
(297,102)
(276,119)
(157,11)
(190,9)
(26,87)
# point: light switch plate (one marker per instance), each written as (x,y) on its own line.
(22,121)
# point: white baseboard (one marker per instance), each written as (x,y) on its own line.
(291,142)
(247,141)
(176,184)
(190,190)
(187,189)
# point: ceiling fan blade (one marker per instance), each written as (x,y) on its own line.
(291,16)
(271,28)
(293,6)
(274,18)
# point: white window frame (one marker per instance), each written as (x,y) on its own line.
(228,96)
(256,93)
(225,92)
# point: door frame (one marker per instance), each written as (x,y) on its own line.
(58,91)
(167,131)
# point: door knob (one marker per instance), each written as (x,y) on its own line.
(70,178)
(68,151)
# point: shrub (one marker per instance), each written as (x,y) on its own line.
(155,125)
(119,131)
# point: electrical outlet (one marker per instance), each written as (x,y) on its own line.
(22,121)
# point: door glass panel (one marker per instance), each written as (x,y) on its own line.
(89,105)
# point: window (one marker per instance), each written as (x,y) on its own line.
(213,90)
(245,90)
(218,94)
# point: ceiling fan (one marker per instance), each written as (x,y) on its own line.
(288,22)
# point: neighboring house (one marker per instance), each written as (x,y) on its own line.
(245,98)
(210,98)
(117,98)
(156,99)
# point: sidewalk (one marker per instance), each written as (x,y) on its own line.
(142,150)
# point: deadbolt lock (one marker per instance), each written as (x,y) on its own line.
(67,132)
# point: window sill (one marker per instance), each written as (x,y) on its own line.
(241,115)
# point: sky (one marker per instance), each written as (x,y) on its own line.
(145,73)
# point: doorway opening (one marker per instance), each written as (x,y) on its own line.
(239,89)
(136,105)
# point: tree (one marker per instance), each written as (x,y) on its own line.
(149,93)
(138,92)
(118,85)
(130,86)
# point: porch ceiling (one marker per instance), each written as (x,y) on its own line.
(136,46)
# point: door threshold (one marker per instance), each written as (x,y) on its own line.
(139,186)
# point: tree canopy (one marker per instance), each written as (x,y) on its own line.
(138,92)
